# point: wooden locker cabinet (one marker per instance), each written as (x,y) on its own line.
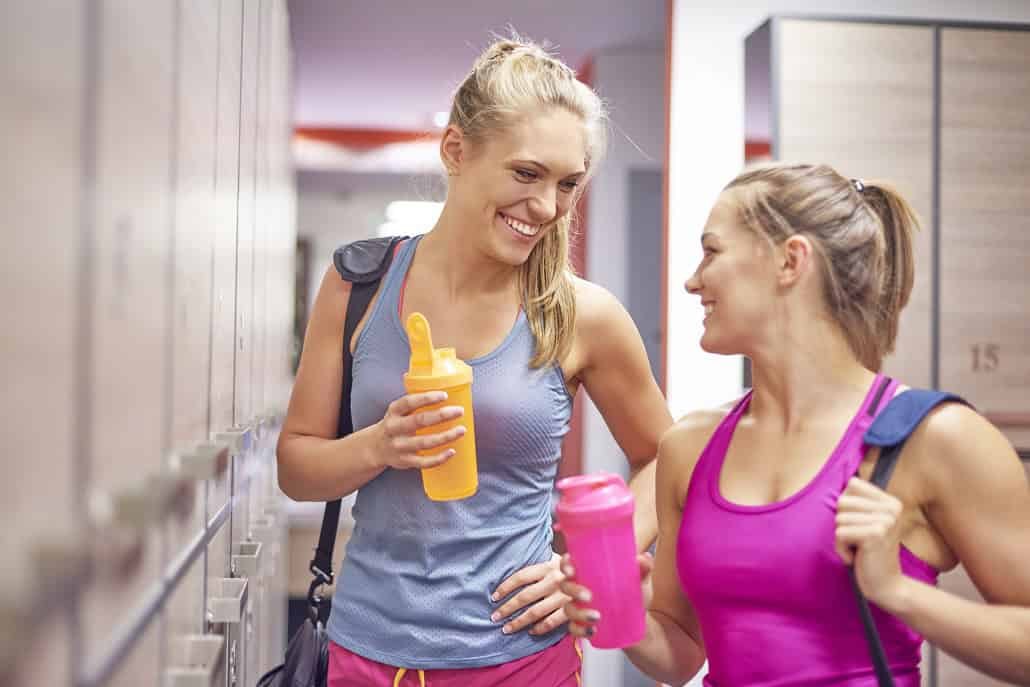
(940,110)
(985,220)
(149,289)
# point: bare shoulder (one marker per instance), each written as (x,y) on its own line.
(682,444)
(333,285)
(603,331)
(596,306)
(955,445)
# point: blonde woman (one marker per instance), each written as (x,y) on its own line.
(466,592)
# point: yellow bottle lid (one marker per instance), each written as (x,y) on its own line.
(431,368)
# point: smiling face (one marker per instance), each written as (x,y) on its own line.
(514,186)
(736,281)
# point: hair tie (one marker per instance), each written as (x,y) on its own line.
(859,186)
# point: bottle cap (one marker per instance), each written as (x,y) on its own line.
(593,499)
(429,368)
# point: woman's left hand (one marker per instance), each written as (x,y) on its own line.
(869,537)
(539,592)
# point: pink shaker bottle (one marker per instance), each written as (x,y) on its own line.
(595,514)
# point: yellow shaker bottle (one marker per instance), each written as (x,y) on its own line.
(438,369)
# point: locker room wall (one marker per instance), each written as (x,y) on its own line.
(148,276)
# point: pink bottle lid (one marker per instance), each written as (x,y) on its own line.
(590,500)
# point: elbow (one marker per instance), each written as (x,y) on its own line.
(284,470)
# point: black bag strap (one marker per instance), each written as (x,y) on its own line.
(363,289)
(890,430)
(872,635)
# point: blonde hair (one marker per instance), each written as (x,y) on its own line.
(862,231)
(513,77)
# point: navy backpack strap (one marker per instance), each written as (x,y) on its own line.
(895,423)
(363,264)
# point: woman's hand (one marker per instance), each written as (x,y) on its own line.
(539,595)
(397,446)
(869,537)
(582,618)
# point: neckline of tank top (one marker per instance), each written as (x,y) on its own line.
(715,475)
(411,245)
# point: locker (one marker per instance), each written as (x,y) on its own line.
(246,217)
(131,296)
(226,191)
(157,252)
(41,53)
(985,249)
(196,101)
(859,97)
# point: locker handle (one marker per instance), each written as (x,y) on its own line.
(263,529)
(201,655)
(240,439)
(207,460)
(247,559)
(227,600)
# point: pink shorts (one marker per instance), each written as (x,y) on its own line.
(556,666)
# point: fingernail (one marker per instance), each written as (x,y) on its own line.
(584,596)
(593,616)
(569,571)
(506,630)
(495,617)
(495,596)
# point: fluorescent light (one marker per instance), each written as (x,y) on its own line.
(416,211)
(400,229)
(410,217)
(441,119)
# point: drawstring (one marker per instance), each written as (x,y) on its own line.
(579,652)
(401,672)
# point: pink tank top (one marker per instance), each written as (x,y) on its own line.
(771,594)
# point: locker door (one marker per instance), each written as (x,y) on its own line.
(193,244)
(985,222)
(132,296)
(985,249)
(42,78)
(224,227)
(246,216)
(860,97)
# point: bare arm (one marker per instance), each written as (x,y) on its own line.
(313,464)
(617,376)
(672,650)
(979,501)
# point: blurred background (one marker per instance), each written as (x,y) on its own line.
(177,173)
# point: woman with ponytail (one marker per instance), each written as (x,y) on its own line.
(825,465)
(466,592)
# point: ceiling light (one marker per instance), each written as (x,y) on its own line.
(410,217)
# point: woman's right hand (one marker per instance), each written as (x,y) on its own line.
(397,446)
(581,617)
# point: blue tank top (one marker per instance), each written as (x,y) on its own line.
(415,584)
